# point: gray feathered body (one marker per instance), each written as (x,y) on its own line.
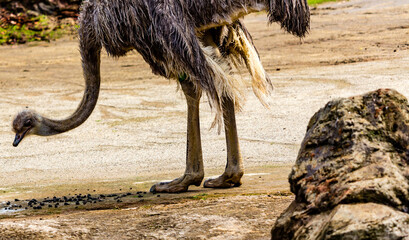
(201,39)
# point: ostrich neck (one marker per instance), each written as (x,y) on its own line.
(91,68)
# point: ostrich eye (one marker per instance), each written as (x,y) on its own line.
(27,123)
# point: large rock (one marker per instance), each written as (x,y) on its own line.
(351,177)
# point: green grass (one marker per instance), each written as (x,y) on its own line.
(315,2)
(202,196)
(39,30)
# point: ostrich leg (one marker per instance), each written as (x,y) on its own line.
(194,172)
(234,167)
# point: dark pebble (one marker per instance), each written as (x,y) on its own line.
(16,200)
(140,196)
(158,195)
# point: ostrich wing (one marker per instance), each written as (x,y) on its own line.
(175,41)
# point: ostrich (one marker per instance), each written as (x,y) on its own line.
(196,42)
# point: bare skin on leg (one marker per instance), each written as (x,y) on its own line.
(234,167)
(194,172)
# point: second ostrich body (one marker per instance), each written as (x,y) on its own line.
(195,42)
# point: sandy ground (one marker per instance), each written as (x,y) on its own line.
(136,135)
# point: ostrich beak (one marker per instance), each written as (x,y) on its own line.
(19,137)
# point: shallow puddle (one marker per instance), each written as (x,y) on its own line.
(10,211)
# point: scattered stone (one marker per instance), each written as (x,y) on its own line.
(78,199)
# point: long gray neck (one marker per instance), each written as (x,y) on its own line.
(91,69)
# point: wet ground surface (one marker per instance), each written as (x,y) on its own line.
(240,213)
(74,201)
(136,135)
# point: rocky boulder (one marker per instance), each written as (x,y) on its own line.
(351,177)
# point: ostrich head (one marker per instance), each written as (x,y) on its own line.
(25,123)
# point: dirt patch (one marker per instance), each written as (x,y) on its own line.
(247,212)
(206,217)
(136,135)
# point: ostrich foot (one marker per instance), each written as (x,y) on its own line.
(224,181)
(178,185)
